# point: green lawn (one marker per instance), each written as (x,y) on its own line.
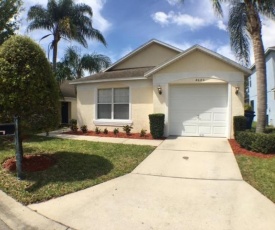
(260,173)
(80,164)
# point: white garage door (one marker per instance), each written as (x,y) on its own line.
(198,110)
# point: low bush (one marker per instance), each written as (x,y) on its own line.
(239,124)
(156,125)
(127,129)
(105,131)
(84,128)
(245,139)
(142,133)
(269,130)
(116,131)
(257,142)
(73,125)
(97,130)
(264,143)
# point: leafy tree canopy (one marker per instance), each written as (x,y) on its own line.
(9,10)
(27,85)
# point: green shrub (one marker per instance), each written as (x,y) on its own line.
(257,142)
(127,129)
(73,125)
(27,86)
(97,130)
(116,131)
(84,128)
(105,131)
(142,133)
(245,139)
(264,143)
(269,130)
(239,123)
(156,125)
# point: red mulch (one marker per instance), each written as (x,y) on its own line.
(238,150)
(111,134)
(30,163)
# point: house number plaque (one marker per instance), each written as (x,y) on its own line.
(200,79)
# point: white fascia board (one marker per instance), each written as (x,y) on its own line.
(184,53)
(140,48)
(109,80)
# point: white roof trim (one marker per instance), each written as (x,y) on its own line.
(109,80)
(140,48)
(198,47)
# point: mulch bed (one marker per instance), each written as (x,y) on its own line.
(111,134)
(238,150)
(30,163)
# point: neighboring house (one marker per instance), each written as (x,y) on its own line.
(68,102)
(195,89)
(270,76)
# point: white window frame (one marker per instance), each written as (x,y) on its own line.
(112,121)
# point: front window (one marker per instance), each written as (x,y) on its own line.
(113,103)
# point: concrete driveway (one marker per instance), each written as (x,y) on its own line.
(186,183)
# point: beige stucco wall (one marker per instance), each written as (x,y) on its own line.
(141,104)
(151,55)
(198,61)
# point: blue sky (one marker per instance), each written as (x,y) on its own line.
(127,24)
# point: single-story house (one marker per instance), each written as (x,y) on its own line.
(198,90)
(270,80)
(67,102)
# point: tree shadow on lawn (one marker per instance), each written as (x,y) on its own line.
(70,167)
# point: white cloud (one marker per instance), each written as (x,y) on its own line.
(226,51)
(173,2)
(221,25)
(268,32)
(178,19)
(161,18)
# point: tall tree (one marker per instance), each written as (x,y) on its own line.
(244,27)
(64,19)
(9,10)
(92,63)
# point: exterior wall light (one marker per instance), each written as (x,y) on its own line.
(159,90)
(237,88)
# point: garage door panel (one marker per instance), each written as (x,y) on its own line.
(198,110)
(219,116)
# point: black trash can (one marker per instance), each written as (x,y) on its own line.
(249,115)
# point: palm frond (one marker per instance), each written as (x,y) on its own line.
(237,27)
(266,8)
(95,62)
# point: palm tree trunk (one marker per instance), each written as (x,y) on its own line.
(54,54)
(261,83)
(255,30)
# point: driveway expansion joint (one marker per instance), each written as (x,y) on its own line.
(188,178)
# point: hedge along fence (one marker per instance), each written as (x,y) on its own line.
(156,125)
(257,142)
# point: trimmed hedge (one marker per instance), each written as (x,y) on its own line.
(239,123)
(257,142)
(156,125)
(245,139)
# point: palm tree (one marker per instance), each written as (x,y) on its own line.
(245,26)
(77,64)
(64,19)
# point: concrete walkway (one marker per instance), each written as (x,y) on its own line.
(186,183)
